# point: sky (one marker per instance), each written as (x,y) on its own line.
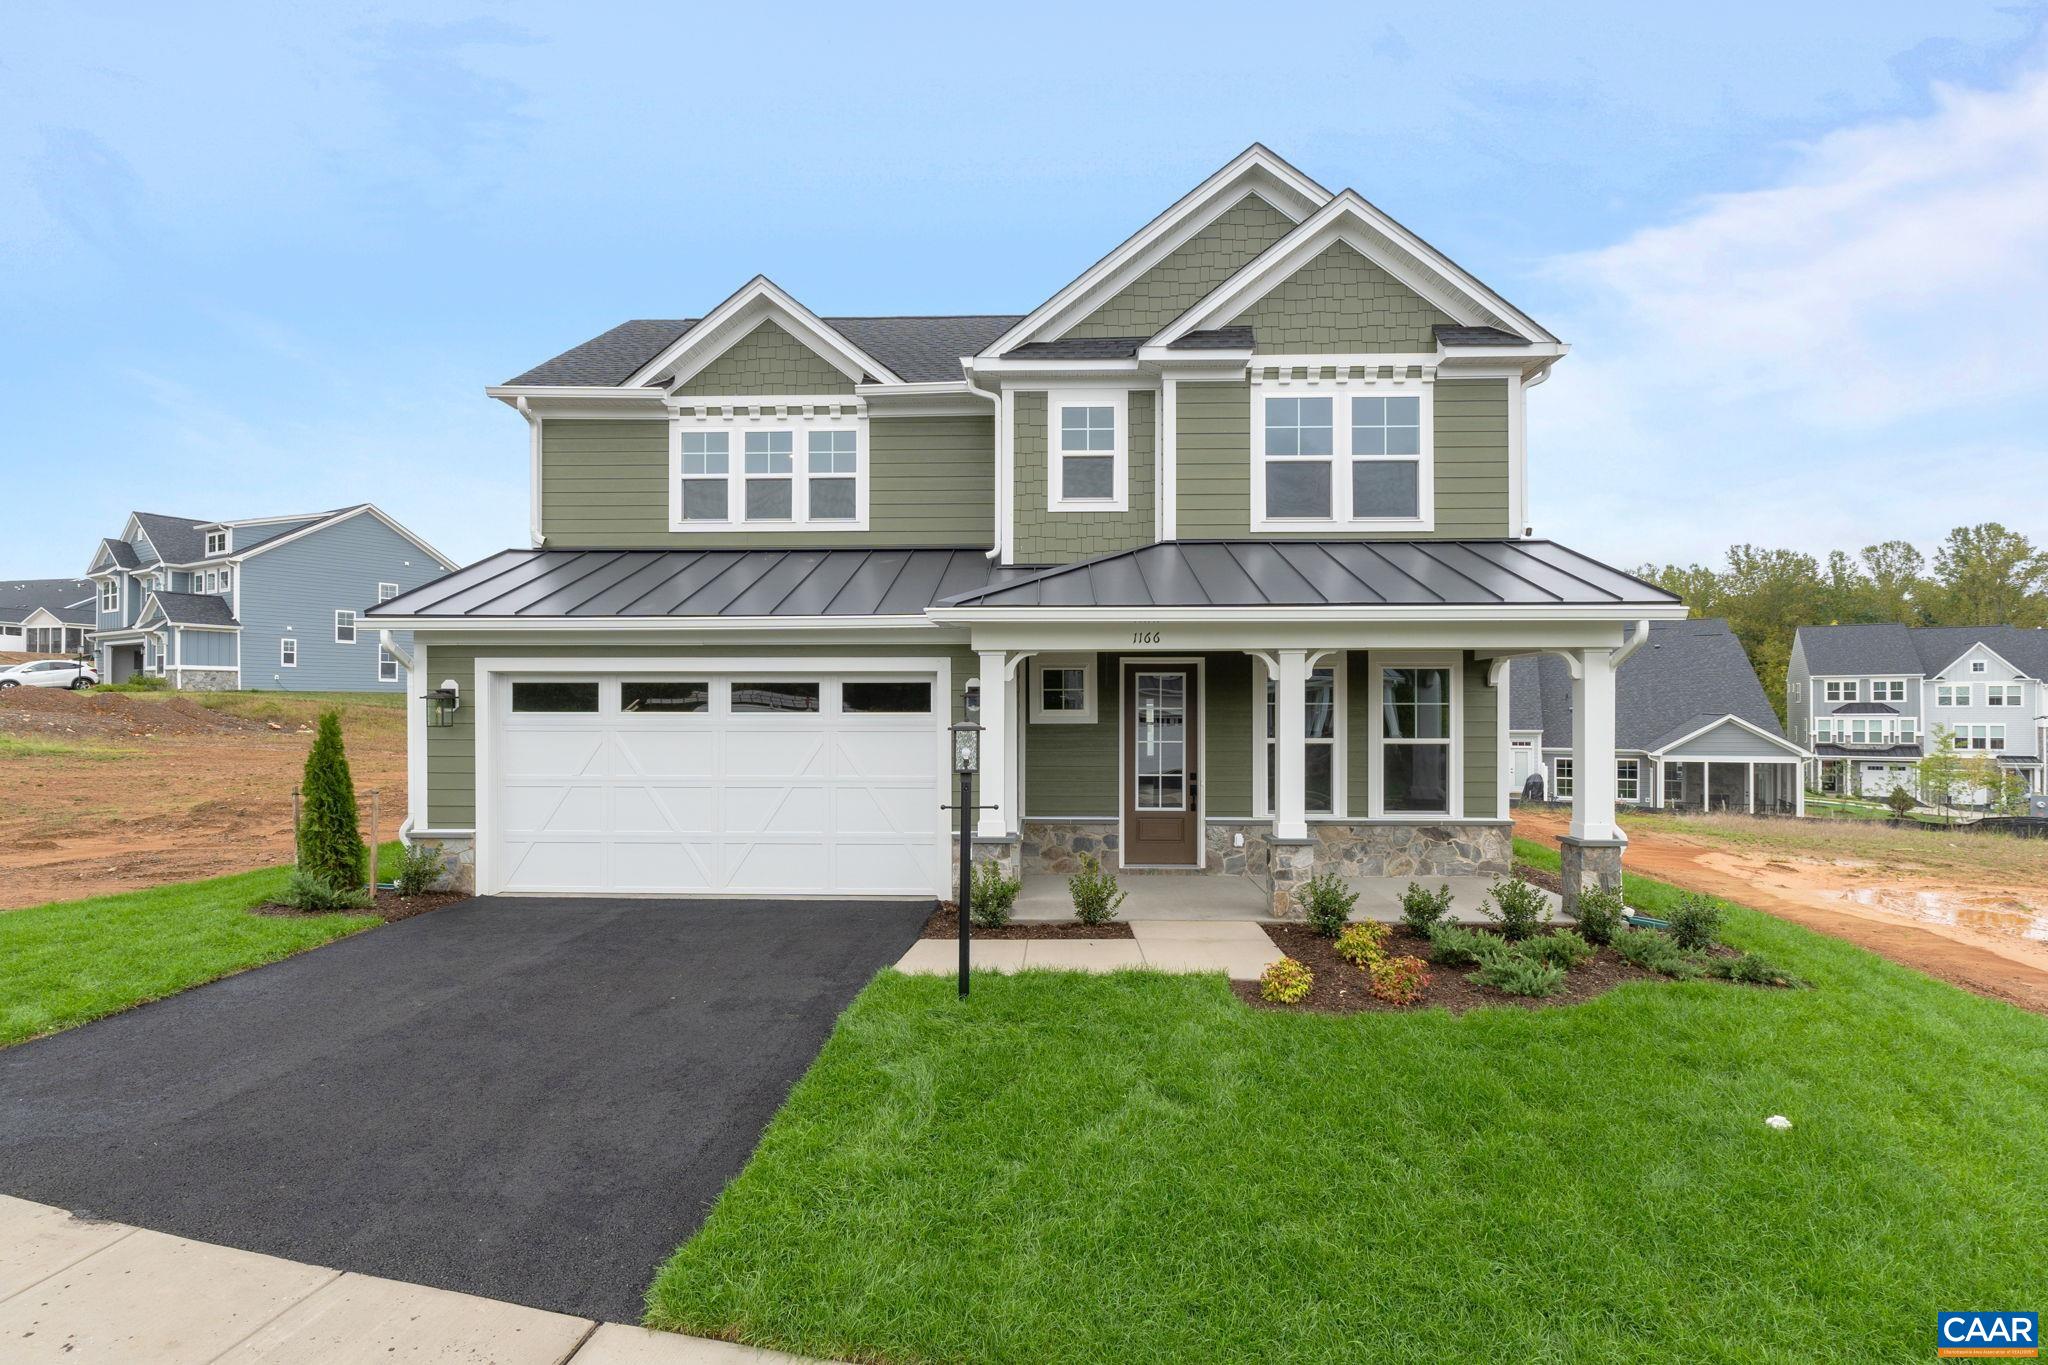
(264,259)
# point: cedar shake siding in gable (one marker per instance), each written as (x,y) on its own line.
(1189,273)
(604,485)
(1048,537)
(768,360)
(1471,439)
(1342,302)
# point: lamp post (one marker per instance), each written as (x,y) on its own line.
(966,759)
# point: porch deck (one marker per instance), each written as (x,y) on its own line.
(1209,896)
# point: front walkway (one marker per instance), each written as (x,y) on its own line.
(1238,948)
(1200,896)
(76,1290)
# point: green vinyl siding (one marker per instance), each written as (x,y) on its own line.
(1188,273)
(1342,302)
(767,360)
(1483,742)
(931,481)
(451,751)
(1044,536)
(1469,432)
(1228,751)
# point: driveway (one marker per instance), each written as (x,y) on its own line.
(531,1099)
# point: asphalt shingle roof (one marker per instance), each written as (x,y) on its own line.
(1451,334)
(71,600)
(1216,339)
(1888,649)
(921,350)
(1688,675)
(195,609)
(178,540)
(1078,348)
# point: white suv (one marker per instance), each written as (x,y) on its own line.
(50,673)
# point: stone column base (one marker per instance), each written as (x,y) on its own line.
(1293,862)
(1588,865)
(1006,853)
(458,860)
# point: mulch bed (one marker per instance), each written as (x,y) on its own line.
(1340,988)
(389,906)
(1537,876)
(945,923)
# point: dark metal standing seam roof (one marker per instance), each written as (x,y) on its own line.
(600,585)
(1317,573)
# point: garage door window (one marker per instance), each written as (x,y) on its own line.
(887,698)
(644,698)
(750,698)
(554,696)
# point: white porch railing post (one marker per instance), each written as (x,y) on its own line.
(1290,706)
(996,705)
(1593,747)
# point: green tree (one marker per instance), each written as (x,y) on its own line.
(1894,582)
(330,844)
(1943,775)
(1989,576)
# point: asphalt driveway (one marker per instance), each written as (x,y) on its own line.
(530,1099)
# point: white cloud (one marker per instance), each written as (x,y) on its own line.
(1830,360)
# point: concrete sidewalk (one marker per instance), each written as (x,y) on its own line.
(81,1291)
(1238,948)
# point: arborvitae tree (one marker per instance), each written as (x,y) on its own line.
(330,842)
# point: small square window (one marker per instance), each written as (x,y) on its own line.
(1063,689)
(386,591)
(1976,665)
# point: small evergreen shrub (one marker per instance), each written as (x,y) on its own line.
(419,867)
(1901,801)
(1095,892)
(1286,982)
(1398,980)
(992,896)
(1422,910)
(1454,945)
(1560,948)
(1601,915)
(330,843)
(1516,908)
(1656,951)
(1695,921)
(1364,943)
(1515,973)
(305,890)
(1326,900)
(1752,969)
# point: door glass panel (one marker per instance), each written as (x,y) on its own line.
(886,698)
(1160,735)
(651,697)
(755,697)
(554,696)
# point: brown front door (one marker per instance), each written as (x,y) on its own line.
(1162,816)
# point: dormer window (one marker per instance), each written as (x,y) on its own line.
(1089,464)
(216,542)
(1343,456)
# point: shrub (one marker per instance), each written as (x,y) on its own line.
(1560,948)
(1326,900)
(330,842)
(1600,915)
(1656,951)
(1516,908)
(1421,910)
(419,867)
(1454,945)
(1095,892)
(1398,980)
(305,890)
(1901,801)
(1364,943)
(993,895)
(1695,921)
(1286,982)
(141,682)
(1515,973)
(1753,969)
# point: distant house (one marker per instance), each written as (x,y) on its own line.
(262,604)
(46,615)
(1871,699)
(1692,727)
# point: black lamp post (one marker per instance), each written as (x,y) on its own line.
(966,759)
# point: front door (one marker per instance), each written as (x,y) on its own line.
(1162,810)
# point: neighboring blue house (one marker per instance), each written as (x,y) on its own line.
(263,604)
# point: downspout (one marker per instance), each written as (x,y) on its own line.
(1635,642)
(390,645)
(533,459)
(1002,482)
(405,661)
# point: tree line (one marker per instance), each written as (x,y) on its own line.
(1983,575)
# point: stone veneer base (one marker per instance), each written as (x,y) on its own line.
(458,860)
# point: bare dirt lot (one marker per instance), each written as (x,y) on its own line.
(107,791)
(1970,909)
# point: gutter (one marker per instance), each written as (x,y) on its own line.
(1635,642)
(995,397)
(387,643)
(533,459)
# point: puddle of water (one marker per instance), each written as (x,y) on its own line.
(2013,919)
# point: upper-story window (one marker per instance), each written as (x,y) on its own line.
(705,469)
(835,463)
(1977,666)
(1090,452)
(1952,694)
(216,542)
(2001,694)
(110,595)
(1887,689)
(1841,689)
(1341,459)
(771,482)
(728,473)
(386,591)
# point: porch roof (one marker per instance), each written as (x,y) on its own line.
(1327,573)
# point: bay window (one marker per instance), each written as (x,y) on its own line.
(1088,470)
(1416,723)
(1342,457)
(1322,703)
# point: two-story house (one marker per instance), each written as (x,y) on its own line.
(259,604)
(1223,546)
(1872,700)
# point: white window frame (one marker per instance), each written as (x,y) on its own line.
(350,625)
(1378,661)
(1341,392)
(1560,777)
(1838,690)
(2004,695)
(1979,666)
(1980,738)
(1118,401)
(1823,729)
(1628,780)
(1673,769)
(1888,689)
(1948,696)
(217,542)
(287,652)
(386,591)
(1038,666)
(799,416)
(1339,742)
(387,665)
(110,596)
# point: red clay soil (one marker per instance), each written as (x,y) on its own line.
(389,907)
(1689,863)
(944,922)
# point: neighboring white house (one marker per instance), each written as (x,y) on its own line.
(46,615)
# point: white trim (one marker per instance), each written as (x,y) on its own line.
(681,625)
(1756,730)
(226,538)
(758,300)
(1275,615)
(367,509)
(1166,461)
(1117,400)
(1379,660)
(1340,741)
(1199,773)
(282,661)
(1341,392)
(1989,653)
(418,790)
(742,417)
(385,652)
(354,626)
(1086,661)
(1518,457)
(1888,682)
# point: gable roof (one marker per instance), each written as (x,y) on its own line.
(1688,675)
(182,540)
(178,540)
(116,551)
(187,609)
(1886,649)
(74,601)
(921,350)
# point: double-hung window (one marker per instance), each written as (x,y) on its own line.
(1674,784)
(1321,709)
(1342,459)
(287,653)
(1887,689)
(705,468)
(1089,454)
(834,463)
(387,665)
(1980,736)
(1561,772)
(1416,765)
(1952,694)
(1628,780)
(344,627)
(1841,689)
(770,476)
(1908,730)
(2001,694)
(730,477)
(386,591)
(1823,730)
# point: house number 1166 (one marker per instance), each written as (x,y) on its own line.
(1144,637)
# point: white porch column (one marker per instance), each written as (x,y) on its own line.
(1593,747)
(995,785)
(1290,703)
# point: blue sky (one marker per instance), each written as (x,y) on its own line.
(260,258)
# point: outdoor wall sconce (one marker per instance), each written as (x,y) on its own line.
(442,704)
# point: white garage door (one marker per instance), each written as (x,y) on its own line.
(717,785)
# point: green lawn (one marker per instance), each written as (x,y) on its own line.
(69,962)
(1141,1168)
